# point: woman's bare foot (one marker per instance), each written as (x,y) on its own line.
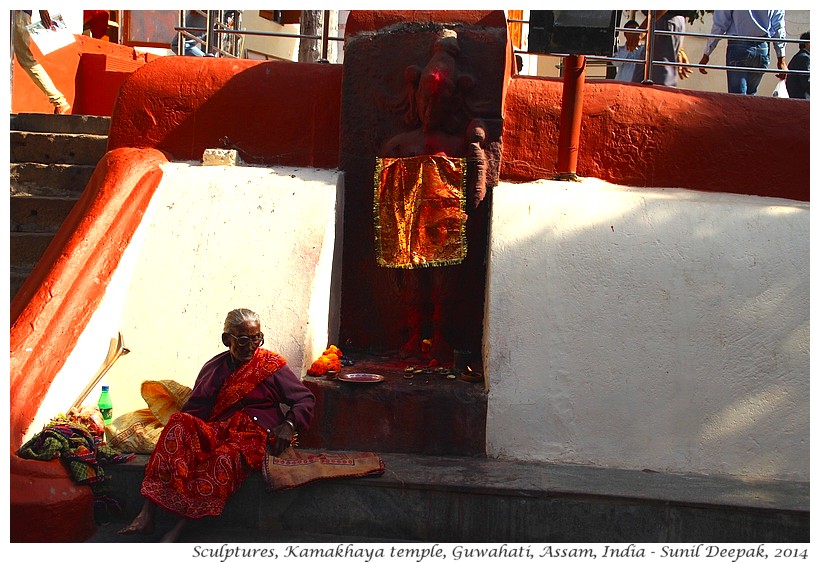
(143,523)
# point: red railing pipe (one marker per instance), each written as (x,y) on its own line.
(571,110)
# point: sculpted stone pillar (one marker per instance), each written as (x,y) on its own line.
(413,90)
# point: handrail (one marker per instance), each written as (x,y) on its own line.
(212,30)
(648,62)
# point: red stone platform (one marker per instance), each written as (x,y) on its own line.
(426,414)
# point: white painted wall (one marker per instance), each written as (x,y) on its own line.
(637,328)
(644,328)
(214,238)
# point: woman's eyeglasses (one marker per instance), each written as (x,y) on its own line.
(245,340)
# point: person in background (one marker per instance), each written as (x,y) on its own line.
(21,39)
(798,84)
(750,53)
(664,48)
(631,49)
(96,22)
(232,417)
(191,47)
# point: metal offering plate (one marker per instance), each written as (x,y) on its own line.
(360,377)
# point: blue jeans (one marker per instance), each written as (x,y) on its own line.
(192,47)
(748,54)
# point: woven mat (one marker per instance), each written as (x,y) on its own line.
(294,467)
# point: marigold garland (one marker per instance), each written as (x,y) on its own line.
(328,361)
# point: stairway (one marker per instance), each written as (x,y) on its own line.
(52,159)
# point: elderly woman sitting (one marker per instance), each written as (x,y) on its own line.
(222,433)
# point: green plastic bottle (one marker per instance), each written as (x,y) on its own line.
(106,408)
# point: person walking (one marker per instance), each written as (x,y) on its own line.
(21,39)
(631,49)
(749,50)
(798,84)
(664,48)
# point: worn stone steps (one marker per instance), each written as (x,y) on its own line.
(52,159)
(25,249)
(57,148)
(38,179)
(43,214)
(48,123)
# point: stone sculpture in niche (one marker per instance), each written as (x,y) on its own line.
(443,127)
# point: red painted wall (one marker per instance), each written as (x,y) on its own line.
(279,112)
(272,112)
(639,135)
(89,73)
(54,305)
(49,313)
(364,20)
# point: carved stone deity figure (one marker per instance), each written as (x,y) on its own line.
(442,127)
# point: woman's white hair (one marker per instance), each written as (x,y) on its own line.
(238,317)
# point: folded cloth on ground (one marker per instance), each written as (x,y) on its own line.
(294,467)
(138,431)
(80,452)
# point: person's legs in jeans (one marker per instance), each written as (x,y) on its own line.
(192,48)
(760,59)
(745,54)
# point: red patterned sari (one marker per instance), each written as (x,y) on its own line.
(197,465)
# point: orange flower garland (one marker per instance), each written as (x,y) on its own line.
(328,361)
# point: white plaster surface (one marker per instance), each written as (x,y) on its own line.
(638,328)
(214,238)
(657,329)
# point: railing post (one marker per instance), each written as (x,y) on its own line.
(210,36)
(649,47)
(180,37)
(572,104)
(325,35)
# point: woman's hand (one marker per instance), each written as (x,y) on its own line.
(280,439)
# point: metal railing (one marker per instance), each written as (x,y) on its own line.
(648,62)
(224,38)
(218,33)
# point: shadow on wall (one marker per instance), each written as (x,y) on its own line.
(241,105)
(652,329)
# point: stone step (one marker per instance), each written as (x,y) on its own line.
(52,159)
(39,214)
(17,277)
(467,499)
(57,148)
(33,178)
(27,248)
(49,123)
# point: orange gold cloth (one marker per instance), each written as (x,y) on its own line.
(419,210)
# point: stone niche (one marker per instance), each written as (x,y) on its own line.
(383,70)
